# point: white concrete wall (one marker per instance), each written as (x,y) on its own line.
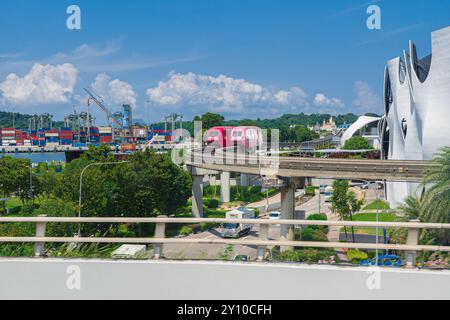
(108,279)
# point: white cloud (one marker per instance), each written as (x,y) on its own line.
(114,91)
(85,51)
(223,94)
(366,100)
(42,84)
(322,100)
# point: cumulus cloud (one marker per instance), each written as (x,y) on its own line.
(366,100)
(322,100)
(114,91)
(42,84)
(223,94)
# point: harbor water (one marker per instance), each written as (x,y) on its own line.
(37,156)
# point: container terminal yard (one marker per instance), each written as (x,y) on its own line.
(80,131)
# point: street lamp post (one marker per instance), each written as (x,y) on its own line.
(31,182)
(374,186)
(81,186)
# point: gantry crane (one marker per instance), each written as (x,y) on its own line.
(99,101)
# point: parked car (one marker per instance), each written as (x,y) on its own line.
(242,257)
(385,260)
(328,194)
(274,215)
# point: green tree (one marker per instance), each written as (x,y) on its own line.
(46,183)
(210,120)
(412,207)
(357,143)
(436,199)
(15,177)
(344,203)
(55,207)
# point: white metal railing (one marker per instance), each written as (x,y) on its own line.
(411,246)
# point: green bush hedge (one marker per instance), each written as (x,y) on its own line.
(185,231)
(211,203)
(320,217)
(311,234)
(310,191)
(356,256)
(309,255)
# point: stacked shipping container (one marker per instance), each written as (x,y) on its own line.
(52,138)
(94,135)
(8,137)
(105,135)
(65,136)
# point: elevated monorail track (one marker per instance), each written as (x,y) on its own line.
(286,166)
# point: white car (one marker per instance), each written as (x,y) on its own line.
(274,215)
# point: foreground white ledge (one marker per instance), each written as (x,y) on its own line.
(25,278)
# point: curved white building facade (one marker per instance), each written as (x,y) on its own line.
(417,107)
(366,127)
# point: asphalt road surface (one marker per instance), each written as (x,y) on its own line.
(213,251)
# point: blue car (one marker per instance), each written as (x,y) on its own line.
(385,260)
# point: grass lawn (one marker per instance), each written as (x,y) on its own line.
(382,205)
(382,217)
(13,203)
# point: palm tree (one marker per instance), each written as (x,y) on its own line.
(436,199)
(412,207)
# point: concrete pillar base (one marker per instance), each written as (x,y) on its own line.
(197,196)
(225,187)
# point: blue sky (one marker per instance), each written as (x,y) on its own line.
(242,58)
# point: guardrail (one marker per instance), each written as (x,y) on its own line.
(411,246)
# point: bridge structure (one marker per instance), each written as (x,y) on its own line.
(291,173)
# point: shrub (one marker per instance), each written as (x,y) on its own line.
(320,217)
(356,256)
(308,255)
(320,235)
(185,231)
(308,234)
(211,203)
(310,191)
(317,216)
(312,234)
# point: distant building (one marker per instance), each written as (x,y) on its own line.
(366,127)
(315,128)
(329,125)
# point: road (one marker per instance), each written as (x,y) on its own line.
(214,251)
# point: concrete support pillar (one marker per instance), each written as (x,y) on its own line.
(212,180)
(197,196)
(263,235)
(244,180)
(40,232)
(412,239)
(225,187)
(160,232)
(287,212)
